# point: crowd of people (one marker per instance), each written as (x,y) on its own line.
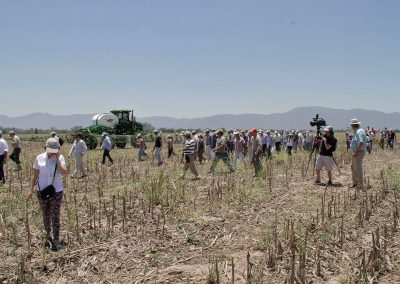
(252,145)
(249,146)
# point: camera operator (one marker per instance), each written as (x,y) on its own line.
(325,156)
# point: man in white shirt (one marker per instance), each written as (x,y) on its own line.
(78,149)
(106,145)
(3,157)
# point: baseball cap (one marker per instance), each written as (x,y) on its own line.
(252,130)
(52,145)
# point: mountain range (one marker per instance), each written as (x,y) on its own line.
(298,118)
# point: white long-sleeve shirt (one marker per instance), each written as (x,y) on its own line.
(79,147)
(3,146)
(106,145)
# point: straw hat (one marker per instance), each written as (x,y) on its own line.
(355,121)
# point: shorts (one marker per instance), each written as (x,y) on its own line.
(324,161)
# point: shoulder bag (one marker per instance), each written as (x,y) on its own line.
(49,191)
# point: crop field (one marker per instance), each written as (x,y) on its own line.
(133,222)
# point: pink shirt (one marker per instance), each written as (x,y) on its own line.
(238,145)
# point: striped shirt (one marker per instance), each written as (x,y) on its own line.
(189,147)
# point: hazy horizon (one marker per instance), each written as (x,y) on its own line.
(194,117)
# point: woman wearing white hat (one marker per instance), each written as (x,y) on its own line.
(48,186)
(358,146)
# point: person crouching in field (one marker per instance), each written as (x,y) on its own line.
(78,149)
(188,154)
(47,171)
(325,156)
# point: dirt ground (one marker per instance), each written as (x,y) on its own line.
(134,222)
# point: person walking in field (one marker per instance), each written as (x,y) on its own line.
(157,148)
(278,141)
(47,170)
(142,147)
(170,145)
(270,143)
(250,143)
(239,146)
(16,143)
(188,154)
(200,149)
(358,146)
(54,135)
(256,151)
(325,156)
(308,141)
(3,157)
(221,152)
(209,143)
(106,145)
(78,150)
(391,138)
(289,144)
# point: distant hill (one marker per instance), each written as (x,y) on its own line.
(297,118)
(46,121)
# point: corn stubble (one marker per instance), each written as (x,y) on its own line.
(135,223)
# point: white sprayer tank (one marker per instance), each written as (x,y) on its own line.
(105,119)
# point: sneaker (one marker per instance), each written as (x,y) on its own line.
(353,186)
(48,243)
(330,182)
(58,246)
(317,181)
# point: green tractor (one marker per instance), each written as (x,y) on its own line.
(119,124)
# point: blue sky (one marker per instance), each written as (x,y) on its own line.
(196,58)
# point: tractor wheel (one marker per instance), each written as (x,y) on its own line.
(120,145)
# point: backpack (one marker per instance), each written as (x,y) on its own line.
(61,141)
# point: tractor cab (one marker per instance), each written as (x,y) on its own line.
(125,123)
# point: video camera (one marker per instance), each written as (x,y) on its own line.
(317,121)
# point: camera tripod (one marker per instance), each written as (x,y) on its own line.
(314,150)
